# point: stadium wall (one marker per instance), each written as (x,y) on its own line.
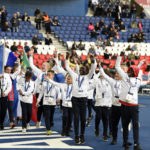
(52,7)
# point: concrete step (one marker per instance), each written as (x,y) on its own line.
(59,46)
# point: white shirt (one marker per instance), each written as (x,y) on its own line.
(90,92)
(27,89)
(80,82)
(103,92)
(6,84)
(50,93)
(39,73)
(130,85)
(115,86)
(66,92)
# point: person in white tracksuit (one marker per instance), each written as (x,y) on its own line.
(129,102)
(116,106)
(25,87)
(79,97)
(51,95)
(103,104)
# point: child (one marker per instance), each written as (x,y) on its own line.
(40,78)
(103,104)
(25,87)
(129,102)
(116,106)
(79,97)
(66,90)
(49,92)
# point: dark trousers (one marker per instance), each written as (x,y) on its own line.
(66,119)
(79,112)
(52,115)
(26,113)
(40,109)
(102,113)
(48,114)
(130,113)
(10,110)
(38,24)
(89,105)
(3,109)
(110,119)
(47,27)
(116,116)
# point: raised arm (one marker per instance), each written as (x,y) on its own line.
(77,68)
(54,83)
(58,66)
(109,79)
(36,70)
(93,68)
(73,74)
(119,69)
(15,74)
(141,63)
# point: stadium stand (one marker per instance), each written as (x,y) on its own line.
(26,31)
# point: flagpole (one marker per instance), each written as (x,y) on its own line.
(2,80)
(4,54)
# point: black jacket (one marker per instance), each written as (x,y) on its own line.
(48,41)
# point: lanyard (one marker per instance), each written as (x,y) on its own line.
(27,87)
(117,87)
(68,94)
(49,88)
(132,86)
(43,75)
(80,81)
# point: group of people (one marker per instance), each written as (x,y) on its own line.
(115,93)
(111,8)
(14,21)
(46,20)
(111,31)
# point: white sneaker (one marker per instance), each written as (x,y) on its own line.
(28,126)
(38,124)
(24,130)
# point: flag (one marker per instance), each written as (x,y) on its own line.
(25,62)
(34,109)
(6,57)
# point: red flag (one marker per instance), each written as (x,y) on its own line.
(34,109)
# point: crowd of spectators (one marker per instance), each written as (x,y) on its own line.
(14,24)
(43,19)
(115,9)
(118,11)
(111,31)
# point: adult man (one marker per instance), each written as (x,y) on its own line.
(15,23)
(5,88)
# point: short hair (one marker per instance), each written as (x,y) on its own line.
(6,67)
(51,71)
(67,75)
(28,74)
